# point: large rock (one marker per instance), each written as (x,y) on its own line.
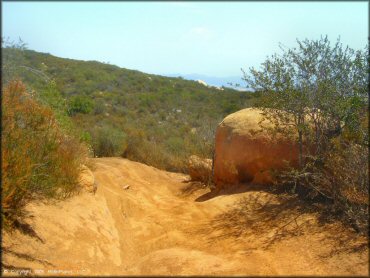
(86,179)
(200,169)
(246,151)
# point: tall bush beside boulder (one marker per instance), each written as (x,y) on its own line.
(324,90)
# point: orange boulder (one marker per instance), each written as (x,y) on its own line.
(246,152)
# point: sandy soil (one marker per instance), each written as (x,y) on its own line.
(144,221)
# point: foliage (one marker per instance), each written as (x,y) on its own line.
(321,92)
(108,141)
(79,104)
(11,60)
(148,109)
(345,180)
(38,159)
(15,66)
(321,88)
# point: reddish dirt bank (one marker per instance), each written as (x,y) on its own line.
(145,221)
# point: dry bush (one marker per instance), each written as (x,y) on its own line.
(346,179)
(38,160)
(154,154)
(340,179)
(108,141)
(168,147)
(200,169)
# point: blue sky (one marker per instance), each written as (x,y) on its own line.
(210,38)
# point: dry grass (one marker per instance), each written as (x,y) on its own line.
(339,180)
(38,160)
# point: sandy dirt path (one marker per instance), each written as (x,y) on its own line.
(144,221)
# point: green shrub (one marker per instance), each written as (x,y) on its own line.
(108,141)
(38,159)
(99,107)
(80,104)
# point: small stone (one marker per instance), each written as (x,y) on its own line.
(125,187)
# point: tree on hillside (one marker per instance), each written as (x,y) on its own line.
(320,92)
(319,89)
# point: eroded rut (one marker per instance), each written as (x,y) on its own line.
(144,221)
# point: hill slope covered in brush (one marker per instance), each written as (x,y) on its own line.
(149,118)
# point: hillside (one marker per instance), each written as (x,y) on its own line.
(170,118)
(163,225)
(228,81)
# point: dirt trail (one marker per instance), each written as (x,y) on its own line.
(162,225)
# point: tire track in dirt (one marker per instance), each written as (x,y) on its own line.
(163,225)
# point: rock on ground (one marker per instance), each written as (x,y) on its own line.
(86,180)
(200,169)
(246,152)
